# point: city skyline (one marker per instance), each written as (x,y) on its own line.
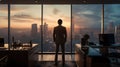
(85,19)
(48,43)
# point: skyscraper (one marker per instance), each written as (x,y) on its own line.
(111,28)
(118,33)
(34,30)
(45,28)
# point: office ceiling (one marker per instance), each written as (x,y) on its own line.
(60,1)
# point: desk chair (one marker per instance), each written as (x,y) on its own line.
(116,56)
(3,61)
(1,42)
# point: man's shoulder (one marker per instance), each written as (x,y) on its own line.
(63,26)
(55,27)
(60,27)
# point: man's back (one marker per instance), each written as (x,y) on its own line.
(59,37)
(60,34)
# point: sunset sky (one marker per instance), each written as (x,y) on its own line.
(22,16)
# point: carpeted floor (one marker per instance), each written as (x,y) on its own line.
(51,64)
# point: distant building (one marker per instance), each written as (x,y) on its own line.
(40,29)
(34,30)
(45,30)
(111,28)
(118,33)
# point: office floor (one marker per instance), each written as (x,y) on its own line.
(51,64)
(48,61)
(50,57)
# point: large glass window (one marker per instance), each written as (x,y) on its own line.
(51,14)
(4,23)
(86,19)
(25,23)
(112,21)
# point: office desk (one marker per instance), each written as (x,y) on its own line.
(116,46)
(23,57)
(90,58)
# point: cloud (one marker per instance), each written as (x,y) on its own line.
(18,8)
(87,15)
(65,18)
(22,18)
(90,15)
(112,13)
(3,19)
(55,11)
(79,20)
(90,21)
(116,16)
(3,9)
(86,12)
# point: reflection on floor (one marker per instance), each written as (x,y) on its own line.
(51,64)
(48,61)
(50,57)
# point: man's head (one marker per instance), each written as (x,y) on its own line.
(59,21)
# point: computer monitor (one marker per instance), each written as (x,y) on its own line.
(106,39)
(1,42)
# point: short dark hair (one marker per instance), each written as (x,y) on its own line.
(60,21)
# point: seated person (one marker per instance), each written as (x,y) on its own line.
(84,40)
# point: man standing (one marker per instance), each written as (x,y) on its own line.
(59,37)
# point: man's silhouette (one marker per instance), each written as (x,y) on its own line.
(59,37)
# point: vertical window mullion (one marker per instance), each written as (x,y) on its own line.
(42,28)
(102,20)
(9,45)
(71,28)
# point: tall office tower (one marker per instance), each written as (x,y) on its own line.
(40,29)
(118,34)
(34,30)
(111,28)
(45,29)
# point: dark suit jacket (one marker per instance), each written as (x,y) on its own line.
(59,34)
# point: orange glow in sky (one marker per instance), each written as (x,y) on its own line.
(23,16)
